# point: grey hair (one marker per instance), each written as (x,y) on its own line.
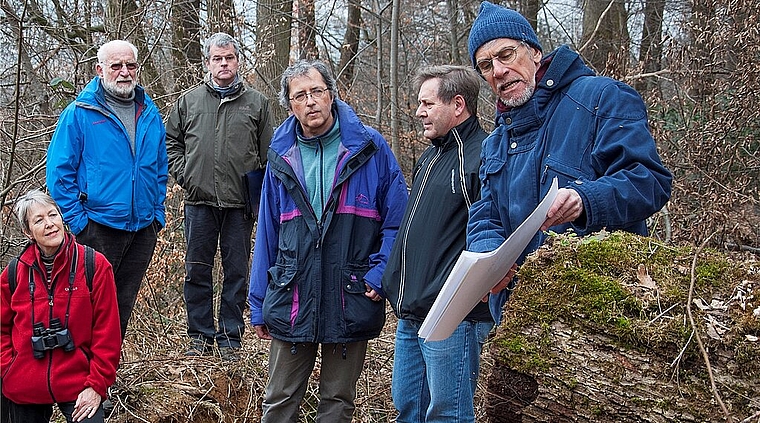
(301,68)
(454,80)
(25,202)
(105,48)
(220,39)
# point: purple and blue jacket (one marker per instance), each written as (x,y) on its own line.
(308,276)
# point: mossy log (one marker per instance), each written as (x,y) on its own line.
(600,329)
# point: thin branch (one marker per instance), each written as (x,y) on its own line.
(713,388)
(598,24)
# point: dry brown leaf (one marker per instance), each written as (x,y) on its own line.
(644,279)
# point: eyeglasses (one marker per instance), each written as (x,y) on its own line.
(314,93)
(506,56)
(117,66)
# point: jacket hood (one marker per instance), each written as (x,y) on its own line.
(564,67)
(352,131)
(93,94)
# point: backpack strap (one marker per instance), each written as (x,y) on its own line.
(89,265)
(12,268)
(89,269)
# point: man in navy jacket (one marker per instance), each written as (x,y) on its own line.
(331,203)
(556,118)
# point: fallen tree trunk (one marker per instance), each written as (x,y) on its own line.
(598,329)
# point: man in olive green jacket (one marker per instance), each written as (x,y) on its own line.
(216,133)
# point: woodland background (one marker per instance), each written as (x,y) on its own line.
(695,63)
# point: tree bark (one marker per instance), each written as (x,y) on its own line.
(650,55)
(186,54)
(273,25)
(605,35)
(598,330)
(350,47)
(221,16)
(307,30)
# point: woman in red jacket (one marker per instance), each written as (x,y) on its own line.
(59,334)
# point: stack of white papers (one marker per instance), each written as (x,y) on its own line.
(474,274)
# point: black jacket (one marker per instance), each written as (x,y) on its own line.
(432,233)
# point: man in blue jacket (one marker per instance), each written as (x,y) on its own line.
(556,119)
(332,200)
(107,170)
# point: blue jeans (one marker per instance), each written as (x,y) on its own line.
(129,254)
(205,228)
(436,381)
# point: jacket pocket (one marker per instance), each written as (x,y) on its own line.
(281,307)
(566,175)
(362,317)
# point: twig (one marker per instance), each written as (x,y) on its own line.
(663,313)
(713,388)
(750,418)
(680,354)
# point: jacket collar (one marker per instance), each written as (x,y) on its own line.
(464,130)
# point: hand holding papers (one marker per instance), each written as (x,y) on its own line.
(474,274)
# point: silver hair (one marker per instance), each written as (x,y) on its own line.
(105,48)
(25,202)
(220,39)
(301,68)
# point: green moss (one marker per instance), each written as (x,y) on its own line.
(630,287)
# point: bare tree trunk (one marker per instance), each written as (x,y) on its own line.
(605,34)
(350,46)
(221,16)
(395,144)
(186,51)
(453,6)
(307,30)
(273,24)
(529,9)
(379,62)
(125,21)
(650,55)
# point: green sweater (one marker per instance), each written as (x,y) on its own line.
(320,157)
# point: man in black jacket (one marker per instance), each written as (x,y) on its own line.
(433,381)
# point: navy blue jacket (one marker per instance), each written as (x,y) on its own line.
(308,275)
(591,133)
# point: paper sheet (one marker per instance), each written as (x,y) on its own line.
(474,274)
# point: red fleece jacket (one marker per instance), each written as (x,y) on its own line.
(93,322)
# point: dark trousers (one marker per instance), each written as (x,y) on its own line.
(205,228)
(129,253)
(41,413)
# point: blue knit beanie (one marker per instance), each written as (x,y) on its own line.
(499,22)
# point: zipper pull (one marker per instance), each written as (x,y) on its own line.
(545,174)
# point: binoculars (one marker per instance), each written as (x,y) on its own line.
(55,336)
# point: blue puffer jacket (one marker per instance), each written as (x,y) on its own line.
(92,172)
(308,276)
(588,131)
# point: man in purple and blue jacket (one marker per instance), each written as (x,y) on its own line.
(331,203)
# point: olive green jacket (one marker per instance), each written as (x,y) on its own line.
(212,141)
